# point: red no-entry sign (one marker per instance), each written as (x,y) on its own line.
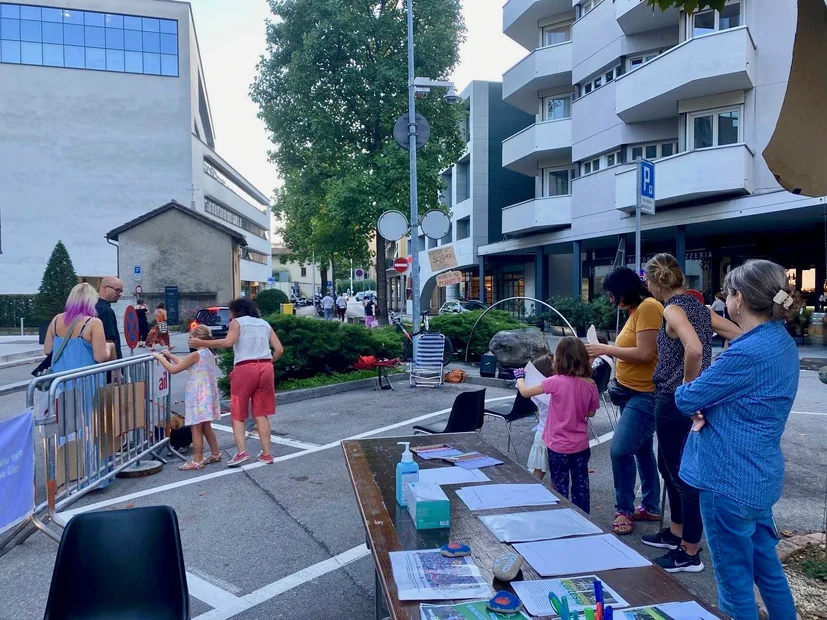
(401,265)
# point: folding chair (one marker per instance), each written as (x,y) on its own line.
(120,564)
(522,408)
(427,369)
(601,377)
(467,415)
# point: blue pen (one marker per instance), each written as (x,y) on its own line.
(555,603)
(575,615)
(598,591)
(608,614)
(564,612)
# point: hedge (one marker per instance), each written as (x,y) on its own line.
(270,300)
(581,313)
(16,307)
(313,347)
(457,328)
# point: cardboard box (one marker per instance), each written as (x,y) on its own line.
(428,505)
(76,464)
(123,407)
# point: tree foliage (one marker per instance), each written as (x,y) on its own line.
(270,300)
(329,89)
(687,5)
(58,281)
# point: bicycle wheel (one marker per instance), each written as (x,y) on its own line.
(449,352)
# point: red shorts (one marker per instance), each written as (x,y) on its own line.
(252,381)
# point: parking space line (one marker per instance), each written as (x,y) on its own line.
(210,594)
(272,590)
(283,441)
(809,413)
(68,514)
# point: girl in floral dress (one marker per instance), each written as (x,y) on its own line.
(202,402)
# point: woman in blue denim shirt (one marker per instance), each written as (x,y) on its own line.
(735,457)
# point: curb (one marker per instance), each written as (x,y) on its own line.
(13,388)
(23,355)
(21,362)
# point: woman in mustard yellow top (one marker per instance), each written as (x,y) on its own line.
(633,392)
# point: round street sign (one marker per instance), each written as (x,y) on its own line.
(130,327)
(393,225)
(400,131)
(139,289)
(401,265)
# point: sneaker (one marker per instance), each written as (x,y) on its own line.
(239,459)
(679,561)
(265,459)
(664,539)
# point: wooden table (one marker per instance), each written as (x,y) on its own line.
(372,467)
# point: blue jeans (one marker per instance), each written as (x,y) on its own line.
(632,442)
(742,546)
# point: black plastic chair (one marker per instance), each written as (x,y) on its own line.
(467,415)
(521,408)
(120,565)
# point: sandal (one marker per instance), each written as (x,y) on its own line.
(191,466)
(623,528)
(641,514)
(212,459)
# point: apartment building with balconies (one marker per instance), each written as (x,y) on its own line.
(613,81)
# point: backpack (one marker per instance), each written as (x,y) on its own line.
(456,375)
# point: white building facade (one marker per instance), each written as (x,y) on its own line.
(105,116)
(610,82)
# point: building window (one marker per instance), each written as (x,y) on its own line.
(639,61)
(463,228)
(591,166)
(252,255)
(53,37)
(304,272)
(710,21)
(228,215)
(557,182)
(652,151)
(236,189)
(553,35)
(587,88)
(667,149)
(586,7)
(557,108)
(715,128)
(613,159)
(610,75)
(598,82)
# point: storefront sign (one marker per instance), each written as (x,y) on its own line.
(449,278)
(442,258)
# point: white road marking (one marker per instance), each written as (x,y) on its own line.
(284,441)
(239,604)
(210,594)
(808,413)
(68,514)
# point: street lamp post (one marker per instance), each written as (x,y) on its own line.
(414,221)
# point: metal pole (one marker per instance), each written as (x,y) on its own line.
(351,276)
(414,220)
(313,292)
(637,223)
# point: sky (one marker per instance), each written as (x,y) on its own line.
(232,39)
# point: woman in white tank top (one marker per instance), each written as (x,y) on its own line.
(252,382)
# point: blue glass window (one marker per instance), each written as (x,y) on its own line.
(95,36)
(152,42)
(114,21)
(10,29)
(72,35)
(52,55)
(93,40)
(74,57)
(133,40)
(152,64)
(114,39)
(53,33)
(10,51)
(114,60)
(31,53)
(134,62)
(95,58)
(30,31)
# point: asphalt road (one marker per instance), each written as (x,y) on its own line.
(285,541)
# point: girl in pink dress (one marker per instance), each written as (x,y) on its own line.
(202,400)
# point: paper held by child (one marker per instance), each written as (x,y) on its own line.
(452,475)
(587,554)
(541,525)
(591,338)
(491,496)
(464,611)
(667,611)
(578,590)
(428,575)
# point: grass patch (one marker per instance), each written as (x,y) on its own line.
(331,379)
(814,568)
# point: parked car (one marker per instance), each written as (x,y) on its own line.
(361,295)
(455,307)
(217,318)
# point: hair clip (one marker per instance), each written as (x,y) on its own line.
(784,299)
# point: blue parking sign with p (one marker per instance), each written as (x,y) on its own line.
(646,189)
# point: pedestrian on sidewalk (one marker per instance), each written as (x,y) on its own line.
(538,456)
(202,406)
(252,380)
(341,307)
(111,289)
(143,323)
(327,306)
(159,334)
(370,313)
(735,455)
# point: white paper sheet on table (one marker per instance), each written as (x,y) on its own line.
(540,525)
(427,575)
(579,590)
(452,475)
(587,554)
(492,496)
(672,611)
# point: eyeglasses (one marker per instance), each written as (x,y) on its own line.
(117,290)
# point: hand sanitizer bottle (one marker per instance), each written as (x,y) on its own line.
(406,471)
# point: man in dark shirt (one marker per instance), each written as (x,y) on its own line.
(110,291)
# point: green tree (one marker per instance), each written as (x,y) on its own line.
(58,281)
(330,88)
(270,300)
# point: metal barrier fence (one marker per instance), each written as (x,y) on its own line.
(94,423)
